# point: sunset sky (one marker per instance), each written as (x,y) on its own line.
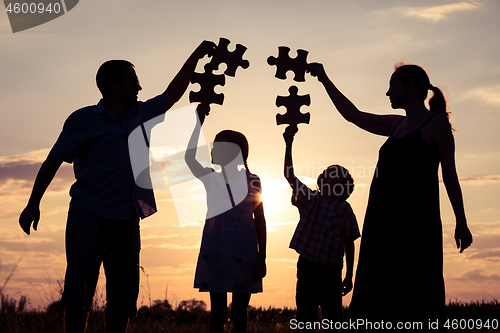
(48,71)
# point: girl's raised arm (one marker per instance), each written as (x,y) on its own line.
(190,157)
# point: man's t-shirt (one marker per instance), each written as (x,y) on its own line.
(97,145)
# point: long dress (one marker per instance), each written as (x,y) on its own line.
(400,269)
(229,242)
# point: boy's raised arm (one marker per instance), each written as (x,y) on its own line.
(294,182)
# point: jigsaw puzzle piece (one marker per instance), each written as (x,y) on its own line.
(207,81)
(293,102)
(284,63)
(233,60)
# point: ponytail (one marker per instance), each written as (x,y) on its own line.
(437,103)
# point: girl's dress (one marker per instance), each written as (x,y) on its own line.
(400,269)
(229,243)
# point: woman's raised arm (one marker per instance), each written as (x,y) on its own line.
(373,123)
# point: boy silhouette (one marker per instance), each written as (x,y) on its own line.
(327,226)
(106,204)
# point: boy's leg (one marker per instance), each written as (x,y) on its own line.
(218,312)
(306,298)
(239,312)
(75,321)
(84,252)
(330,281)
(121,266)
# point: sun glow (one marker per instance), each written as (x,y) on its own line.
(276,199)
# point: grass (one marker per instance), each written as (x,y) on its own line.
(189,316)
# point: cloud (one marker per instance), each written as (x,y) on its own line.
(486,255)
(177,269)
(490,242)
(282,260)
(42,248)
(476,276)
(158,236)
(439,13)
(33,156)
(18,172)
(174,246)
(273,226)
(490,95)
(487,229)
(479,180)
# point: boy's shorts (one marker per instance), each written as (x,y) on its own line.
(90,241)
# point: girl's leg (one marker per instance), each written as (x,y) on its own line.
(218,312)
(239,312)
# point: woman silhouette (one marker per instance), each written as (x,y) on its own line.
(400,268)
(233,249)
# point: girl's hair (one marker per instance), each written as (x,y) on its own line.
(238,139)
(417,74)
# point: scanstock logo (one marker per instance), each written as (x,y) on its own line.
(157,152)
(28,14)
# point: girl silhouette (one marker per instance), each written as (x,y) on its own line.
(233,248)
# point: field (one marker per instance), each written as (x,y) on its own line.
(192,316)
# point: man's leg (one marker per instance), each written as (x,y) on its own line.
(84,248)
(121,266)
(239,312)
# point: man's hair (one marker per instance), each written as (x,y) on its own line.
(334,172)
(111,69)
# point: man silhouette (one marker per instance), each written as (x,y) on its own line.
(106,204)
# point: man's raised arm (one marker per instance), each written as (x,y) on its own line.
(181,81)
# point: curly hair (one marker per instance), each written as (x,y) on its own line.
(330,177)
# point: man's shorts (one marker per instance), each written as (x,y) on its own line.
(90,241)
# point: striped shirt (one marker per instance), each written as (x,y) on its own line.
(324,223)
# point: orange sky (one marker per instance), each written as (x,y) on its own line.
(49,71)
